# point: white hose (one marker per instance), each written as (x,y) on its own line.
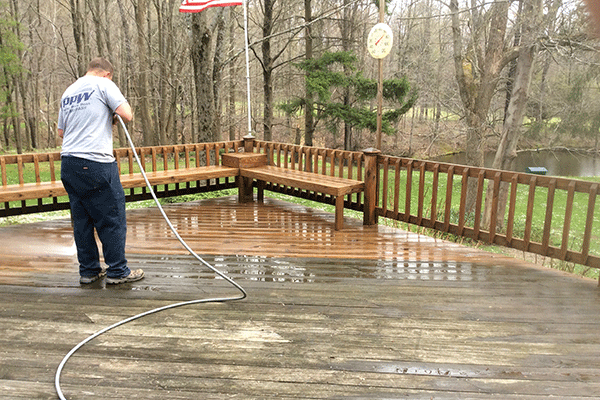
(156,310)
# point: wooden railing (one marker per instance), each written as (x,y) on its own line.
(434,195)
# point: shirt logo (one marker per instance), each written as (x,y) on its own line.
(76,99)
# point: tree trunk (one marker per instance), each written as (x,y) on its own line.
(267,64)
(127,73)
(511,131)
(202,62)
(94,6)
(22,79)
(347,40)
(149,138)
(217,72)
(232,76)
(163,99)
(77,12)
(14,116)
(477,76)
(309,125)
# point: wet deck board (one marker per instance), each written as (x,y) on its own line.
(432,320)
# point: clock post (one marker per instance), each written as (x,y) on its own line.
(379,44)
(380,82)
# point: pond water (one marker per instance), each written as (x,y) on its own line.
(558,163)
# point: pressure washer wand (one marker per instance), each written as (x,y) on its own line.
(156,310)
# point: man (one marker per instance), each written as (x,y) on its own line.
(90,176)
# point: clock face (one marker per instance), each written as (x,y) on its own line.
(380,40)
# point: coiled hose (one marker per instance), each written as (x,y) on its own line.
(156,310)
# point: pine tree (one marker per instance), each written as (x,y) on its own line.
(325,77)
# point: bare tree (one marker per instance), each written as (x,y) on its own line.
(511,132)
(203,33)
(309,124)
(143,89)
(478,66)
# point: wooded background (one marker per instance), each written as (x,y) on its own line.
(484,74)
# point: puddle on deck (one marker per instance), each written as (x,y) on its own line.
(308,270)
(37,240)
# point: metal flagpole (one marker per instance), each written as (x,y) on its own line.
(247,68)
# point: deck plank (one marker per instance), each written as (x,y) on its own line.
(363,313)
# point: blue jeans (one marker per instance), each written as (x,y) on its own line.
(97,202)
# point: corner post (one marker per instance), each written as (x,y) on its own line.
(369,215)
(248,144)
(245,188)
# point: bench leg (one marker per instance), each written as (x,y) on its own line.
(339,212)
(260,191)
(245,191)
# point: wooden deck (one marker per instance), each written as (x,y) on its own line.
(362,313)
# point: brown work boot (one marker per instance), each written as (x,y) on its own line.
(132,277)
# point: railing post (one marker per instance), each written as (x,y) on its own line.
(245,189)
(369,216)
(249,144)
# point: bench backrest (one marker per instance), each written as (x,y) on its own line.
(330,162)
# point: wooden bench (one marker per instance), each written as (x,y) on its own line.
(180,164)
(29,191)
(330,185)
(253,166)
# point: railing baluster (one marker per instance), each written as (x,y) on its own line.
(384,186)
(421,193)
(3,168)
(165,152)
(434,194)
(187,156)
(397,182)
(52,167)
(529,216)
(564,246)
(585,247)
(548,219)
(199,152)
(448,209)
(409,169)
(511,208)
(494,205)
(20,169)
(463,200)
(479,203)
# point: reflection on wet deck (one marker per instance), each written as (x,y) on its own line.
(295,270)
(362,313)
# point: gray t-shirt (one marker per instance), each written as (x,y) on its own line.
(85,116)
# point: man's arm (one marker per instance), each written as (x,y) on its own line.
(61,133)
(124,111)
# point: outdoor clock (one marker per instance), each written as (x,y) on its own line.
(379,41)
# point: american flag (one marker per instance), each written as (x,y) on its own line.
(200,5)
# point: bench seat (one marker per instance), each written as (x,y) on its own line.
(39,190)
(28,191)
(330,185)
